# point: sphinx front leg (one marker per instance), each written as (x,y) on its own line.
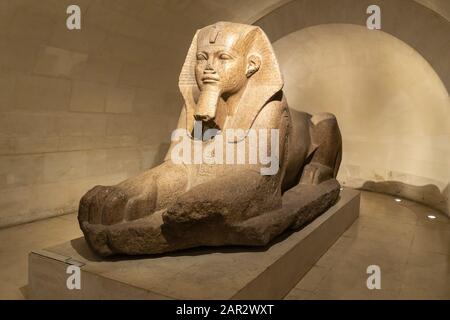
(206,213)
(326,150)
(134,198)
(105,207)
(141,236)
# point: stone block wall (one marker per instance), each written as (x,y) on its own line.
(83,107)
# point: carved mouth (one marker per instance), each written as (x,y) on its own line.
(210,79)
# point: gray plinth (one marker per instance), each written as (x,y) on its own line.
(205,273)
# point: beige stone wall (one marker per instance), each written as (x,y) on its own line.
(392,107)
(80,108)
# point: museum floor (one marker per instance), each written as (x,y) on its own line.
(412,250)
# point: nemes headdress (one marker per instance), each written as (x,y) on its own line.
(250,40)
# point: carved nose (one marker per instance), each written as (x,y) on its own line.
(209,71)
(209,67)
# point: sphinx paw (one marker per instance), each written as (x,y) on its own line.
(103,205)
(97,238)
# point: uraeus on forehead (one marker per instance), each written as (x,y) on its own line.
(226,35)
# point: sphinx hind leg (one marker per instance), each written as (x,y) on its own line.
(326,152)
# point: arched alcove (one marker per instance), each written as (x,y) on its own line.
(392,107)
(421,25)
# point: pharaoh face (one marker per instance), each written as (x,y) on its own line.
(223,67)
(226,67)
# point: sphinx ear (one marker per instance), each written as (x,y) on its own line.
(253,64)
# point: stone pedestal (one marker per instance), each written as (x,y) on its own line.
(203,273)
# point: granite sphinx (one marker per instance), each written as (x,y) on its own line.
(233,100)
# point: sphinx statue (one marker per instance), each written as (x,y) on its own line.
(230,82)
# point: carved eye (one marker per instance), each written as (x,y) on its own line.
(201,56)
(225,56)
